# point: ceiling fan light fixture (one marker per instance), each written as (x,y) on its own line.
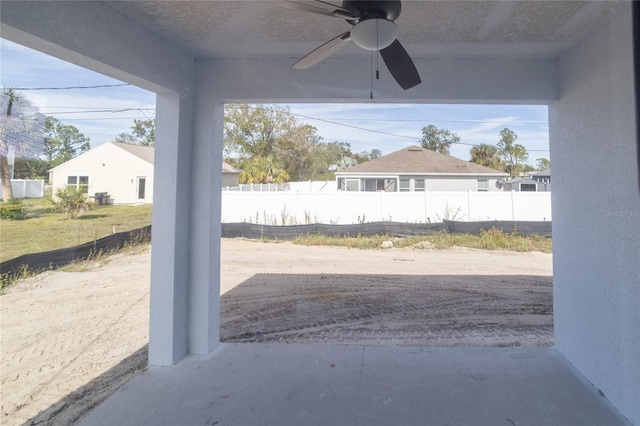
(374,34)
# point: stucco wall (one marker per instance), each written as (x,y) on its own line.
(596,223)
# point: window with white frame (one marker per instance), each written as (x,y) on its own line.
(419,185)
(483,185)
(405,185)
(81,183)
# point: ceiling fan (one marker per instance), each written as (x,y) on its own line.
(373,29)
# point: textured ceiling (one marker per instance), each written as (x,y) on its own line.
(452,28)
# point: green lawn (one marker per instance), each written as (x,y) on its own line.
(45,230)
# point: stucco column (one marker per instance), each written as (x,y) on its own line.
(206,184)
(170,272)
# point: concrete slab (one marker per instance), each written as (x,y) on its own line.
(277,384)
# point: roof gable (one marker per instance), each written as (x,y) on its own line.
(417,160)
(145,153)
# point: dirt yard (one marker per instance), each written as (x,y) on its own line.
(70,339)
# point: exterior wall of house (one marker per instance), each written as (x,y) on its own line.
(517,185)
(596,222)
(109,169)
(230,179)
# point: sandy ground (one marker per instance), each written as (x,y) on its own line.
(70,339)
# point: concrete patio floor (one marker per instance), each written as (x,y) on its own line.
(279,384)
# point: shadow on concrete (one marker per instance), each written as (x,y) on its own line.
(405,310)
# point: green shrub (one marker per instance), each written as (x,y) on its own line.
(71,201)
(13,210)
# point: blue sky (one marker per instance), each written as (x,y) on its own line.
(387,127)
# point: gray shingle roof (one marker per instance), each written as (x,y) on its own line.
(147,152)
(143,152)
(227,168)
(416,160)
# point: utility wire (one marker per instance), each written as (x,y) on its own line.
(72,87)
(101,110)
(379,131)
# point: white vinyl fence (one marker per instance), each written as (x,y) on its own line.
(26,188)
(298,208)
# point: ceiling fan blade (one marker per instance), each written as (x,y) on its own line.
(323,51)
(400,65)
(321,8)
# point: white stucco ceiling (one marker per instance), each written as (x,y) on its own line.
(242,29)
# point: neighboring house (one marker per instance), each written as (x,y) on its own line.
(230,175)
(418,169)
(524,184)
(123,171)
(543,176)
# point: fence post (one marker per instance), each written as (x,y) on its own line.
(513,208)
(469,205)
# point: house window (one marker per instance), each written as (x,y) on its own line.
(483,185)
(81,183)
(530,187)
(420,185)
(405,185)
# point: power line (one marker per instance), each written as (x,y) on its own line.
(101,110)
(72,87)
(102,118)
(378,131)
(407,120)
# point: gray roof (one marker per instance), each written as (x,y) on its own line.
(416,160)
(227,168)
(143,152)
(147,152)
(545,172)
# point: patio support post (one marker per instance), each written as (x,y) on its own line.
(168,325)
(206,196)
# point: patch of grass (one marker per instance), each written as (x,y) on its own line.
(491,239)
(43,229)
(7,279)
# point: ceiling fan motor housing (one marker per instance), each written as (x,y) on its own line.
(374,34)
(365,9)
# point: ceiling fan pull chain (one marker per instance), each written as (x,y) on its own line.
(371,74)
(377,50)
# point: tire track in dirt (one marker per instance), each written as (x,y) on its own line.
(390,309)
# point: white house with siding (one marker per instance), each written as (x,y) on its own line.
(123,171)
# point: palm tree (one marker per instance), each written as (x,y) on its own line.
(261,169)
(486,155)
